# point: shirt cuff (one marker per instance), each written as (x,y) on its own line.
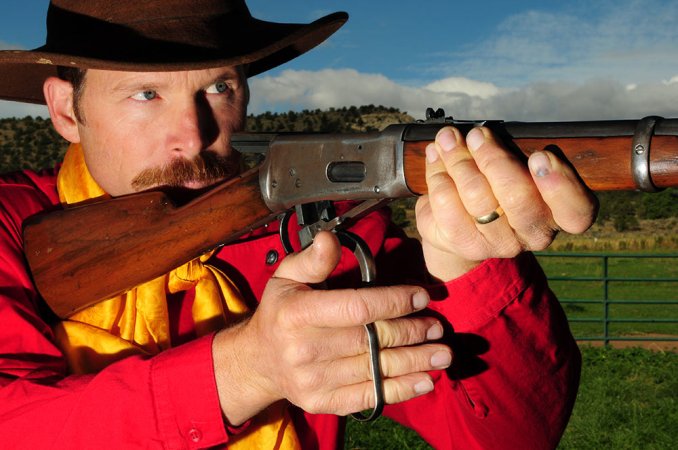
(186,398)
(478,296)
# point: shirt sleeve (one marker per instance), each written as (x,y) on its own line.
(515,373)
(166,401)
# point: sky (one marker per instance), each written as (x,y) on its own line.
(495,59)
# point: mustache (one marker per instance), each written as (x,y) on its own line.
(207,167)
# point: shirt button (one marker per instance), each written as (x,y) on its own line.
(195,435)
(271,257)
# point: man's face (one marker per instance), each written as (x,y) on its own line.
(147,129)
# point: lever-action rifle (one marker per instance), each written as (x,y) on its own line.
(84,254)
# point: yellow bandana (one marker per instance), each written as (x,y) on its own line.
(137,322)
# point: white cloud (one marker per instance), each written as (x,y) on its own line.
(464,98)
(463,86)
(628,40)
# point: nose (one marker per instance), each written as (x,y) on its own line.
(192,129)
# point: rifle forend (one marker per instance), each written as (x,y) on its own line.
(71,251)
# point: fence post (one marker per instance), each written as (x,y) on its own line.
(606,303)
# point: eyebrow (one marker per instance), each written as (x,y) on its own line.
(225,76)
(132,84)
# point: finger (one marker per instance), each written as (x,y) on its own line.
(474,190)
(442,205)
(406,331)
(346,342)
(394,362)
(314,264)
(514,188)
(359,397)
(572,205)
(340,308)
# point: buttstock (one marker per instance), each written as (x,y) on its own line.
(84,254)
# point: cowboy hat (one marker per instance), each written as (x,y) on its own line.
(156,35)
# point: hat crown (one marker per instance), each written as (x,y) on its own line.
(131,11)
(149,30)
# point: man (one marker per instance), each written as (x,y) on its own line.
(190,359)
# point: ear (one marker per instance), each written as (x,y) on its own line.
(59,97)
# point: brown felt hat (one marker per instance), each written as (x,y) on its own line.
(155,35)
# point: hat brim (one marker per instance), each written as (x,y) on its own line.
(23,72)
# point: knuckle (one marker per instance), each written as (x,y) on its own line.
(580,222)
(490,163)
(342,403)
(402,361)
(510,248)
(515,197)
(358,310)
(386,332)
(399,332)
(397,392)
(368,400)
(443,200)
(289,318)
(309,381)
(472,185)
(362,340)
(542,240)
(303,353)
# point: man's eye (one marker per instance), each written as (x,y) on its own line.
(217,88)
(145,95)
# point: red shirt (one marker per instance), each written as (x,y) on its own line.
(512,384)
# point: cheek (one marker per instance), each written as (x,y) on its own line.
(230,112)
(114,159)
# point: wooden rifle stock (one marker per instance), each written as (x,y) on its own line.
(600,162)
(84,254)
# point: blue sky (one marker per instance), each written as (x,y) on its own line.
(514,60)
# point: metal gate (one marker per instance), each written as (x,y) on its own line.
(616,296)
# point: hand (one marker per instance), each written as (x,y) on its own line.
(310,347)
(472,177)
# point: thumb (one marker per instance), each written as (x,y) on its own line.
(572,204)
(315,263)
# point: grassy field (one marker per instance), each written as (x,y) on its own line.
(628,399)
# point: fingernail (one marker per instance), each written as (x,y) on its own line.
(474,139)
(423,387)
(420,300)
(540,164)
(441,360)
(447,139)
(431,153)
(435,332)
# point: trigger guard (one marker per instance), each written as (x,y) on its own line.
(284,232)
(362,252)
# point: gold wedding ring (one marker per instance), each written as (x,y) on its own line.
(491,217)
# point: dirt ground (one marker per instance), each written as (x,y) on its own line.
(659,346)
